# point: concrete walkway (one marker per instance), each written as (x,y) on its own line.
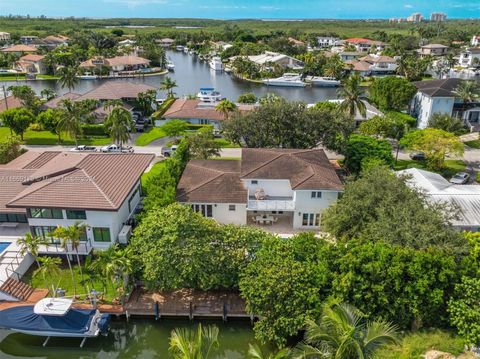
(469,137)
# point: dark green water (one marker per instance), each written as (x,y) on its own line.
(140,338)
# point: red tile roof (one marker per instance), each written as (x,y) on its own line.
(9,102)
(20,48)
(187,109)
(115,90)
(32,58)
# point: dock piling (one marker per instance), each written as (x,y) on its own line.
(191,311)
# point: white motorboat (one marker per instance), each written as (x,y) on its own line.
(216,64)
(228,69)
(208,94)
(287,80)
(170,65)
(88,76)
(186,49)
(323,81)
(179,48)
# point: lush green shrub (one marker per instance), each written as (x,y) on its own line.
(365,148)
(157,115)
(94,130)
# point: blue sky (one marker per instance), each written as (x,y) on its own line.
(228,9)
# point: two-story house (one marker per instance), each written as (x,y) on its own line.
(438,96)
(51,189)
(433,50)
(470,58)
(327,41)
(31,64)
(281,189)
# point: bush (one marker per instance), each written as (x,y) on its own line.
(157,115)
(363,149)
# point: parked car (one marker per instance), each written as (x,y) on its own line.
(168,151)
(83,148)
(114,148)
(460,178)
(418,156)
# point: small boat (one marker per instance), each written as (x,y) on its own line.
(216,64)
(228,69)
(208,94)
(179,48)
(186,49)
(88,76)
(170,65)
(287,80)
(55,317)
(323,81)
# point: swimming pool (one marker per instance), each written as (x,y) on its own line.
(3,246)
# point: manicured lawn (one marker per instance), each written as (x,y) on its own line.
(150,136)
(48,138)
(225,143)
(64,281)
(473,144)
(451,166)
(155,170)
(22,77)
(414,345)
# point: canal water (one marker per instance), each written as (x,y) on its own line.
(139,339)
(191,74)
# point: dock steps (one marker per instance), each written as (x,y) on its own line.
(17,289)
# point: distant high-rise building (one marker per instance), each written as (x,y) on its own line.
(438,16)
(416,17)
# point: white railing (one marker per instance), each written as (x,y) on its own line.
(271,205)
(83,248)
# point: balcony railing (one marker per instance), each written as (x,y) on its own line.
(271,204)
(83,248)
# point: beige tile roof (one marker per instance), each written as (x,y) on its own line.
(32,58)
(306,169)
(212,181)
(73,180)
(186,109)
(20,48)
(115,90)
(55,102)
(128,60)
(10,102)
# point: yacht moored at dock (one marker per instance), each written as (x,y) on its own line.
(287,80)
(88,76)
(208,94)
(216,63)
(323,81)
(170,65)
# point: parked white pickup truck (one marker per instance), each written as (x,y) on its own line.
(118,149)
(168,151)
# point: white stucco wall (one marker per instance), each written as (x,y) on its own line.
(304,203)
(223,215)
(113,220)
(425,106)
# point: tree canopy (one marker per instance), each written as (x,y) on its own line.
(391,93)
(361,149)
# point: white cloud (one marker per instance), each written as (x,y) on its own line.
(136,3)
(408,6)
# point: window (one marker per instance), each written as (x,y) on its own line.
(132,197)
(13,217)
(311,220)
(75,214)
(316,194)
(254,182)
(231,207)
(205,209)
(101,234)
(45,233)
(46,213)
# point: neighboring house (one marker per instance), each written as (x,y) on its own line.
(475,40)
(118,63)
(4,36)
(50,189)
(197,113)
(29,40)
(8,103)
(349,56)
(366,45)
(55,102)
(31,64)
(380,64)
(470,57)
(290,187)
(20,49)
(433,50)
(326,41)
(371,111)
(296,42)
(268,58)
(53,42)
(438,96)
(221,46)
(166,42)
(465,198)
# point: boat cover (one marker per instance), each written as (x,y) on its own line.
(76,321)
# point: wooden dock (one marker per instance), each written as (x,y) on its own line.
(187,303)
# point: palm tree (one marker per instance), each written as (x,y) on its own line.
(68,77)
(254,352)
(342,333)
(51,267)
(352,95)
(167,85)
(187,343)
(48,94)
(226,107)
(468,91)
(31,244)
(70,119)
(118,124)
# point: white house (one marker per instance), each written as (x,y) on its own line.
(118,63)
(438,96)
(327,41)
(269,57)
(281,189)
(4,36)
(470,57)
(464,198)
(31,64)
(475,40)
(51,189)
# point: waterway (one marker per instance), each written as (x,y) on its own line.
(191,74)
(137,339)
